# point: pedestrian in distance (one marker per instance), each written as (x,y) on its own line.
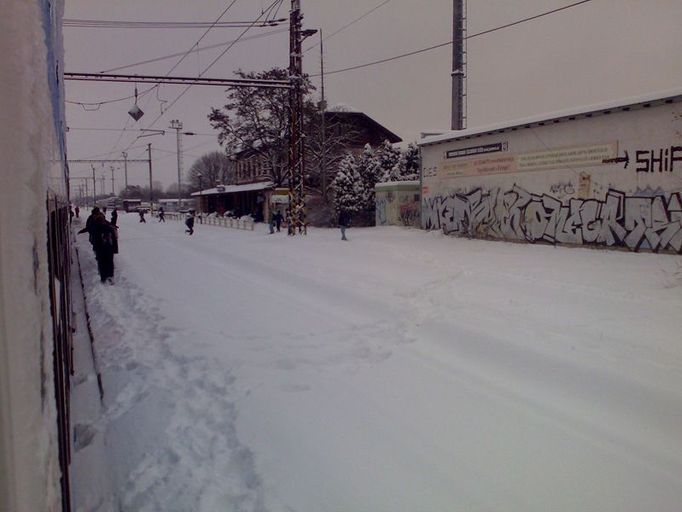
(162,215)
(189,222)
(271,222)
(71,214)
(278,220)
(344,223)
(114,217)
(141,212)
(78,212)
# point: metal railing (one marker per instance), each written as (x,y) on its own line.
(226,222)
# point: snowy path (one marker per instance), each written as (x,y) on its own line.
(402,371)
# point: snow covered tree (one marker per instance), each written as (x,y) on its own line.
(390,161)
(214,167)
(350,193)
(413,162)
(370,173)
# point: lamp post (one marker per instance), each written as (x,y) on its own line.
(201,187)
(176,125)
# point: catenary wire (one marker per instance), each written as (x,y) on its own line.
(422,50)
(166,24)
(199,49)
(213,62)
(344,27)
(191,49)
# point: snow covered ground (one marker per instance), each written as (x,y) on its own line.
(400,371)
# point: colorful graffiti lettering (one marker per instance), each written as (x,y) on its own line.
(619,220)
(409,214)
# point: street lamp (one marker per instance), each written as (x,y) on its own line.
(176,125)
(201,187)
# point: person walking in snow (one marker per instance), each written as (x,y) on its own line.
(105,248)
(189,222)
(271,222)
(103,240)
(114,217)
(278,220)
(141,212)
(78,212)
(344,223)
(162,214)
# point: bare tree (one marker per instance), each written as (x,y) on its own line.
(324,152)
(258,119)
(210,170)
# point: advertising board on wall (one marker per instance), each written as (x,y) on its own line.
(611,178)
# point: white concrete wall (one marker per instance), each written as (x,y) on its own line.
(549,182)
(29,471)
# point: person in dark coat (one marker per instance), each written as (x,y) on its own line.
(278,217)
(189,222)
(271,222)
(103,240)
(78,212)
(162,215)
(141,212)
(105,248)
(344,223)
(89,225)
(114,217)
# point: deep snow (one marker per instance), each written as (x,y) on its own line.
(400,371)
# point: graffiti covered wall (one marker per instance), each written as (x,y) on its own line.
(613,180)
(397,203)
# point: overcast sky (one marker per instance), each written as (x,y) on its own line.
(599,51)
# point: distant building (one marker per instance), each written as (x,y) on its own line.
(253,192)
(608,175)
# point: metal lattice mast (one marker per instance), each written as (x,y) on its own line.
(459,65)
(176,125)
(296,213)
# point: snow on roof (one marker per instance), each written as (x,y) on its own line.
(231,189)
(661,96)
(390,184)
(342,107)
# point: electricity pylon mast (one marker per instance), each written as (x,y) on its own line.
(296,215)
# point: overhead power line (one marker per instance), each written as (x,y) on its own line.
(87,129)
(217,20)
(429,48)
(344,27)
(167,24)
(146,79)
(196,50)
(213,62)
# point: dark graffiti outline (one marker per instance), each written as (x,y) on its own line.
(636,222)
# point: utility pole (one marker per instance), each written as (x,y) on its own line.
(296,212)
(323,109)
(151,189)
(177,126)
(125,168)
(94,187)
(458,121)
(102,179)
(113,192)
